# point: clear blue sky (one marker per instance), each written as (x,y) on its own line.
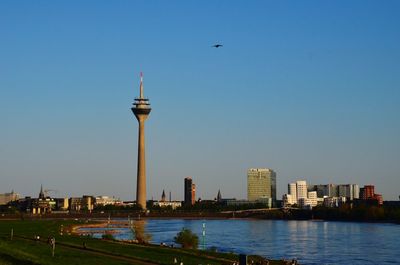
(310,89)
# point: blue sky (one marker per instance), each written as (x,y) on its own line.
(307,88)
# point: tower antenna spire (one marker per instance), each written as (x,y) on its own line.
(141,85)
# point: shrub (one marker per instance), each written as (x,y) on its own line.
(187,239)
(107,236)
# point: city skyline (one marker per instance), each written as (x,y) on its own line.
(318,95)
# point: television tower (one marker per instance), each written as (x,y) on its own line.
(141,109)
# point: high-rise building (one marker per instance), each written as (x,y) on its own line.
(350,191)
(367,192)
(329,190)
(261,184)
(301,194)
(193,194)
(141,109)
(292,191)
(301,189)
(190,191)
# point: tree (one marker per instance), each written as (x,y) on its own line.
(138,229)
(187,239)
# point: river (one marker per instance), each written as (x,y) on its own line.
(311,242)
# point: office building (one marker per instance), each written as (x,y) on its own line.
(367,193)
(84,203)
(298,193)
(292,191)
(334,201)
(324,190)
(350,191)
(301,189)
(313,199)
(190,191)
(106,200)
(261,184)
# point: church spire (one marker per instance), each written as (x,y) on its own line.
(163,196)
(219,197)
(41,193)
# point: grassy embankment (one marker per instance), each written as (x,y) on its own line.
(70,249)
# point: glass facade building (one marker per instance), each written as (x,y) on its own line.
(261,184)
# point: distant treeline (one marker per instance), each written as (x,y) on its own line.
(363,213)
(358,213)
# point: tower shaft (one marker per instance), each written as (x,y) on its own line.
(141,165)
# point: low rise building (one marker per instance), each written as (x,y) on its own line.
(6,198)
(288,200)
(313,199)
(106,200)
(62,204)
(334,201)
(84,203)
(172,204)
(304,203)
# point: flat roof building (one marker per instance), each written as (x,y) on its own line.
(261,184)
(190,191)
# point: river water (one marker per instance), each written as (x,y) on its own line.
(311,242)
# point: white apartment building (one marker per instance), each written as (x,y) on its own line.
(301,189)
(292,191)
(296,191)
(288,200)
(313,199)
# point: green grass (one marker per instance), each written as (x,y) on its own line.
(28,252)
(20,251)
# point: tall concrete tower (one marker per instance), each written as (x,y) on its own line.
(141,109)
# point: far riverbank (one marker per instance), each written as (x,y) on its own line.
(361,213)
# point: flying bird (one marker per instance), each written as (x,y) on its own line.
(217,45)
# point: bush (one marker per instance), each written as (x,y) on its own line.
(187,239)
(107,237)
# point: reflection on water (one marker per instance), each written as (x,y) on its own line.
(138,227)
(308,241)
